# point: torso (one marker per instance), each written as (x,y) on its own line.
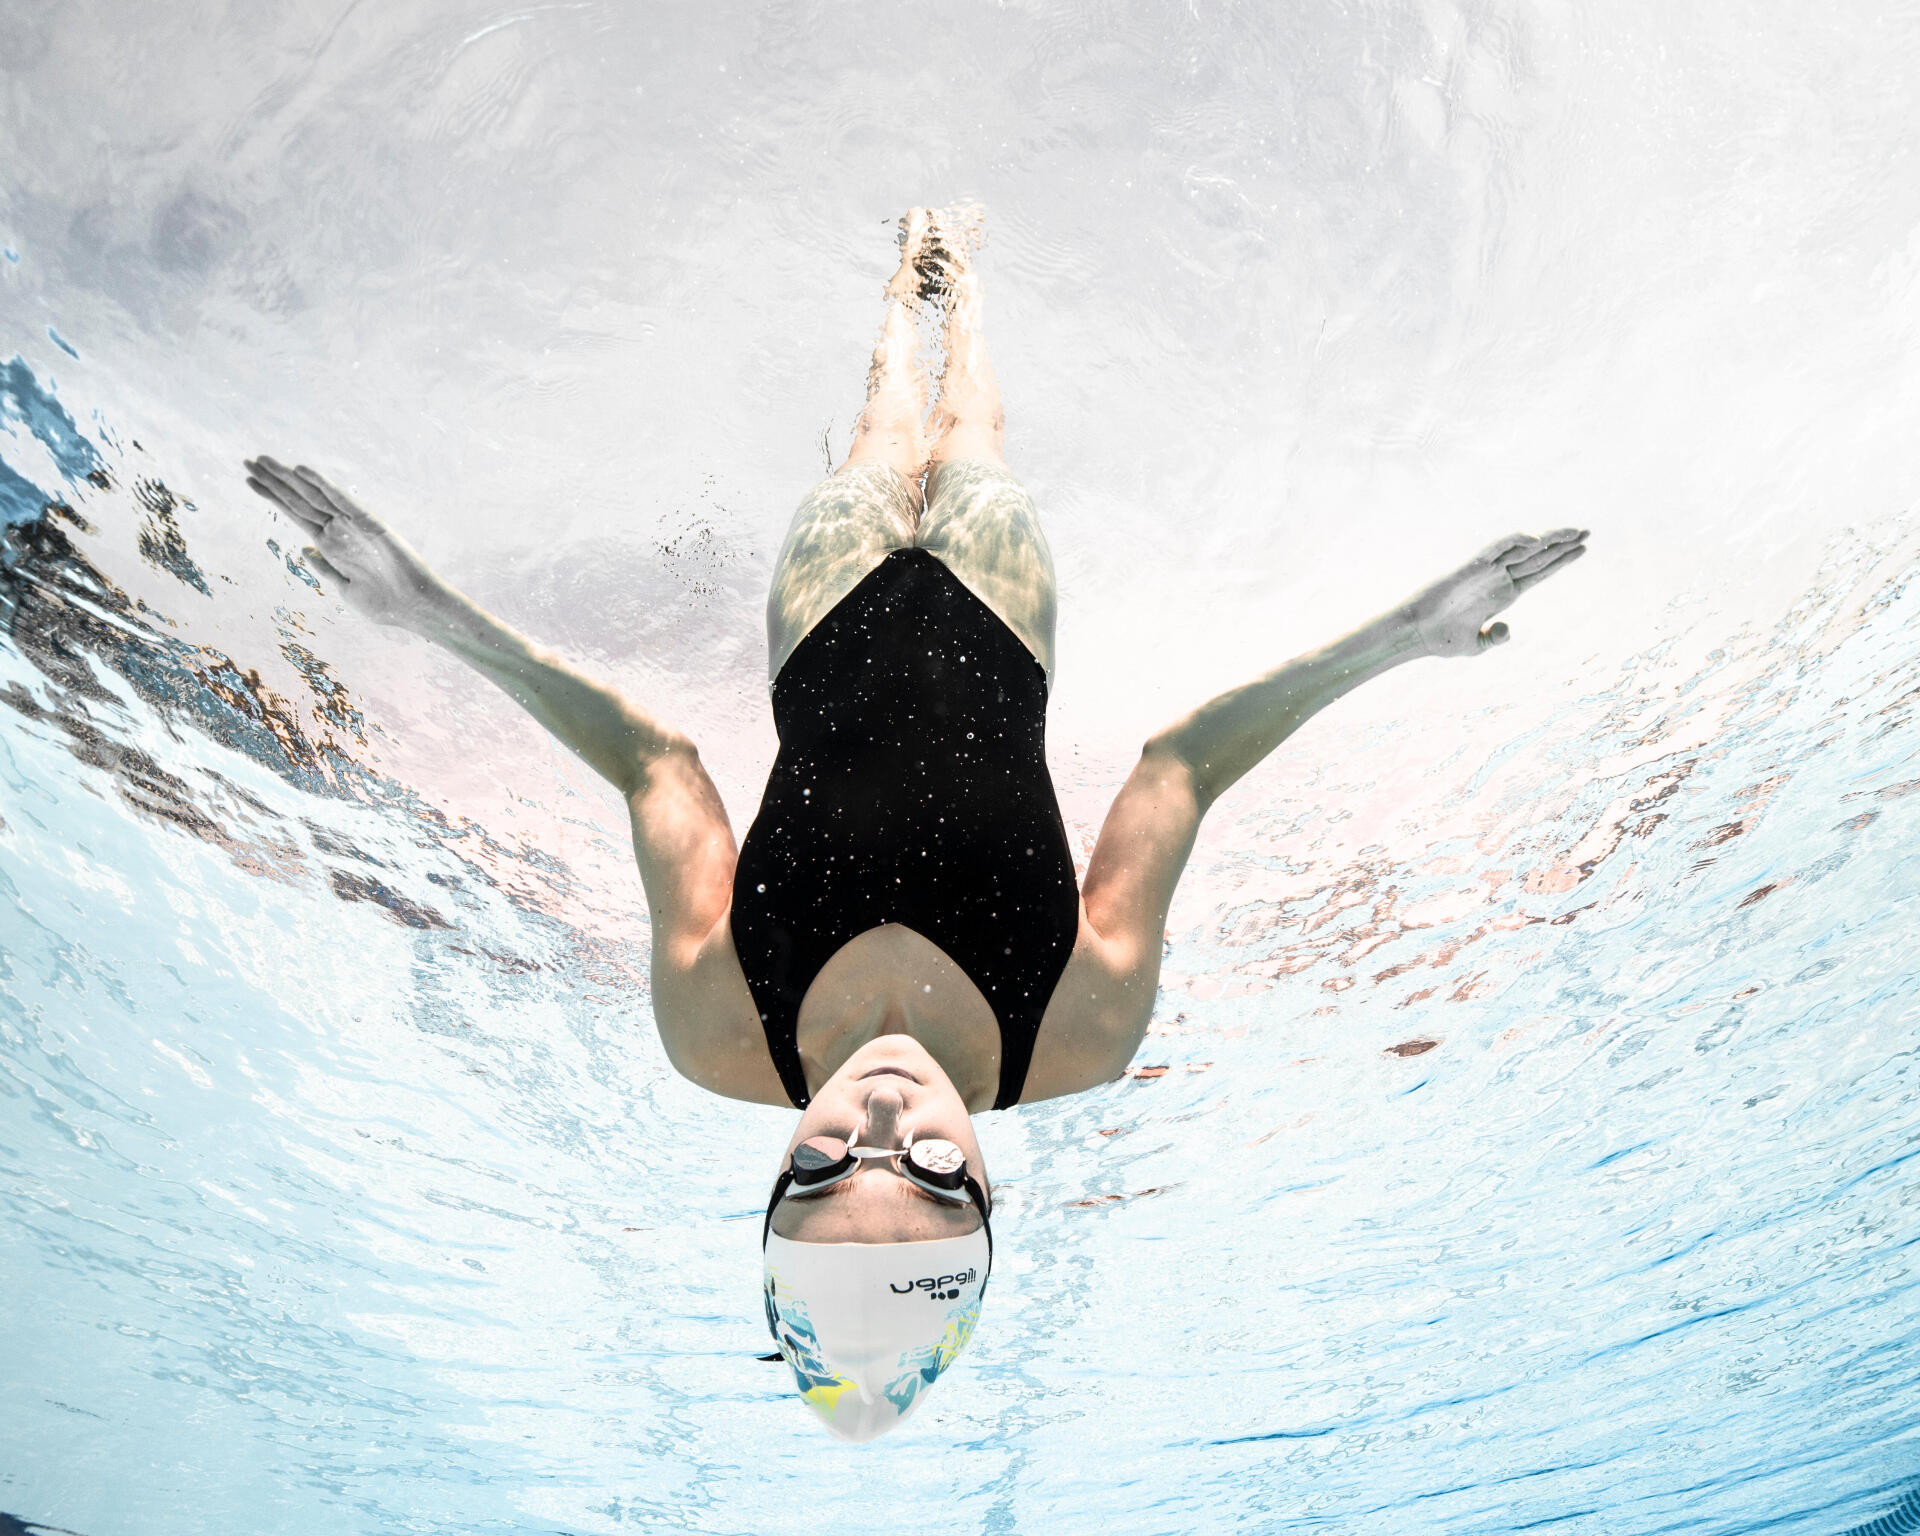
(909,838)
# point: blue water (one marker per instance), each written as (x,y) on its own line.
(1529,1133)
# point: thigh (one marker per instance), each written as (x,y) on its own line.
(985,528)
(847,524)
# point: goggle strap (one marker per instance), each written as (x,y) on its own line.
(779,1188)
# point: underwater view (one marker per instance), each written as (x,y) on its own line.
(1522,1131)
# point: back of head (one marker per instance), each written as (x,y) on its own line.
(869,1327)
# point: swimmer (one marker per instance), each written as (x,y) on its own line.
(900,944)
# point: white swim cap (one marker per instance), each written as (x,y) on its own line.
(869,1327)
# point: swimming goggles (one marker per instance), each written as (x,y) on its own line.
(934,1165)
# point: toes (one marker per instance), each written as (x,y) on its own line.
(952,236)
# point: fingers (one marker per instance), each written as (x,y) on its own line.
(304,494)
(318,486)
(1522,554)
(1563,558)
(275,474)
(260,475)
(1550,550)
(290,486)
(310,501)
(1515,546)
(276,482)
(1539,560)
(1494,634)
(293,507)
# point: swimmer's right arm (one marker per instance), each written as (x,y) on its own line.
(377,573)
(682,840)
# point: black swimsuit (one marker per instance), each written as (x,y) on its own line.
(911,787)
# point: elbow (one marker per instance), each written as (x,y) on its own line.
(652,755)
(1173,762)
(1165,747)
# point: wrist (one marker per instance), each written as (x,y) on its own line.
(440,614)
(1396,636)
(1405,637)
(1422,625)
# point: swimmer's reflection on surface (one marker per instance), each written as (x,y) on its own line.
(899,944)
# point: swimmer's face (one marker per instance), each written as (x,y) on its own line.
(893,1089)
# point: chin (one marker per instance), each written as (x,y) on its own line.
(894,1050)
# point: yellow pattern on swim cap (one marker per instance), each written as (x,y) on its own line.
(826,1395)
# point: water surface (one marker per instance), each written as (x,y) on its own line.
(1527,1135)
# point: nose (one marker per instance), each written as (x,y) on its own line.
(884,1107)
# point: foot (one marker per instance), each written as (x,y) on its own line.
(916,226)
(946,260)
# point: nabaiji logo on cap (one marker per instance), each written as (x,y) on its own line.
(938,1288)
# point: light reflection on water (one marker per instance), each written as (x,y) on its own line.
(1535,1145)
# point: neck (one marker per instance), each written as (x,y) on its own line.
(892,981)
(974,1074)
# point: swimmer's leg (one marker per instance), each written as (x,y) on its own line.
(967,420)
(890,429)
(870,505)
(979,519)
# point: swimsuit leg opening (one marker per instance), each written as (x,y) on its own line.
(983,526)
(844,527)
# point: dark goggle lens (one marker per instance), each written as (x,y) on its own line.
(817,1158)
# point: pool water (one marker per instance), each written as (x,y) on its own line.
(1528,1136)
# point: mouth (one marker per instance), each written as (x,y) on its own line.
(887,1072)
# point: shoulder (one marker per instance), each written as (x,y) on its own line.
(1095,1019)
(708,1022)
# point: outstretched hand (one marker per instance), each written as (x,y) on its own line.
(1452,616)
(374,570)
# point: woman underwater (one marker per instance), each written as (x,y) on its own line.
(899,944)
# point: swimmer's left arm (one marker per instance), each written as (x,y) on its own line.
(1184,769)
